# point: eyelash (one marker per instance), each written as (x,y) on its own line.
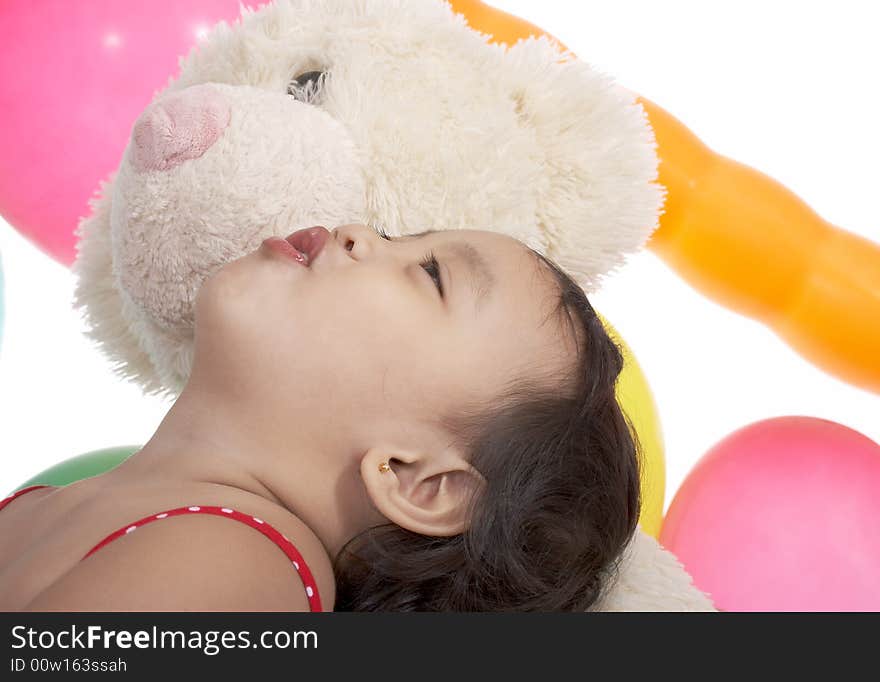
(429,263)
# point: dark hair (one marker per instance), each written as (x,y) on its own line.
(561,502)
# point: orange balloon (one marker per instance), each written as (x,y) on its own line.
(748,243)
(501,26)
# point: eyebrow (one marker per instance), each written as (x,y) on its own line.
(481,277)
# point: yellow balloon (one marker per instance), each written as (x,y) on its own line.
(637,401)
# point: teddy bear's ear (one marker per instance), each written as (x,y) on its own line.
(99,298)
(600,200)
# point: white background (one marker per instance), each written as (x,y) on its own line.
(789,88)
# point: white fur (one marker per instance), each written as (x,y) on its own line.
(652,579)
(422,123)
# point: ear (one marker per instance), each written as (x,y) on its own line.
(599,199)
(427,493)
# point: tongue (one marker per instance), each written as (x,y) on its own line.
(304,255)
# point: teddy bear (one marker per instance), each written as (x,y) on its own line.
(391,113)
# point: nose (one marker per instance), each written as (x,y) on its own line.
(353,237)
(181,126)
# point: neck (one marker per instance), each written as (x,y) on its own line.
(204,439)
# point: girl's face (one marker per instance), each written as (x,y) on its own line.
(363,341)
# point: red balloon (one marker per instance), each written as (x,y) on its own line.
(74,76)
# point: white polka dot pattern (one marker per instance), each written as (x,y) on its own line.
(265,528)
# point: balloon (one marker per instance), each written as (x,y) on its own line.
(498,24)
(82,466)
(636,400)
(782,515)
(813,284)
(73,79)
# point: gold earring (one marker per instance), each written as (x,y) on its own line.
(383,467)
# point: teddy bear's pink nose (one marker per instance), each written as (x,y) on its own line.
(182,126)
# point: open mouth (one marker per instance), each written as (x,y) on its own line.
(284,247)
(309,241)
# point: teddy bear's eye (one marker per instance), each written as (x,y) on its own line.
(307,86)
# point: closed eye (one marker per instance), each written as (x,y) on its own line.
(429,263)
(432,267)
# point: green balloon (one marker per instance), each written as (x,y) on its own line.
(82,466)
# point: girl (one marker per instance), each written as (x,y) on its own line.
(419,423)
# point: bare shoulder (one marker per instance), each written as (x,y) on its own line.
(193,562)
(313,552)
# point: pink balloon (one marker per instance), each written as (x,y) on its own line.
(74,77)
(783,515)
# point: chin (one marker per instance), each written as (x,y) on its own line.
(219,301)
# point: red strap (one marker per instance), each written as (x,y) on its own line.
(265,528)
(9,499)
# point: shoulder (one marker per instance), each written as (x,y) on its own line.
(192,562)
(313,552)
